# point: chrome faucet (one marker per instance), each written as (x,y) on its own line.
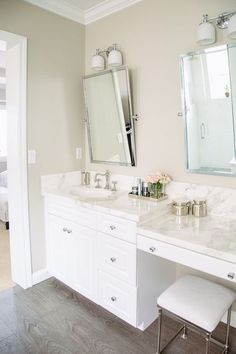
(107,176)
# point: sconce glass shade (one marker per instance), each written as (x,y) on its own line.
(98,62)
(115,58)
(206,33)
(232,27)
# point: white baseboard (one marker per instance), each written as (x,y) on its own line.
(233,319)
(41,275)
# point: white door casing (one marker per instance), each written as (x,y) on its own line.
(16,78)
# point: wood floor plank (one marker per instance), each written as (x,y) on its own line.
(51,318)
(4,331)
(13,345)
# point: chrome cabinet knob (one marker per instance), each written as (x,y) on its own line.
(113,298)
(152,249)
(112,227)
(66,230)
(112,259)
(231,275)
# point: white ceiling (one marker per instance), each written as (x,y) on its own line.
(85,4)
(83,11)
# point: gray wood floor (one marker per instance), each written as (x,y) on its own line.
(50,318)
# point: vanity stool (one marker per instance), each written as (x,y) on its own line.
(197,303)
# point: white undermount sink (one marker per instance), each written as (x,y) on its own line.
(93,194)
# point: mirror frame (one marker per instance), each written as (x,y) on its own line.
(210,171)
(131,117)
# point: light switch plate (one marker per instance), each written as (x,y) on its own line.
(78,153)
(31,157)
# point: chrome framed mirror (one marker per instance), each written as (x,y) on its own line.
(209,109)
(109,117)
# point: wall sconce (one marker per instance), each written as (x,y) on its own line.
(114,58)
(206,33)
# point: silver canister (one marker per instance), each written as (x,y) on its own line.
(199,208)
(181,207)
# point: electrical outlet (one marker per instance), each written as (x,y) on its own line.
(78,153)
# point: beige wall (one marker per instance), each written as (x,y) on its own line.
(55,106)
(152,35)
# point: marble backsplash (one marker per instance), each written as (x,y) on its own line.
(60,181)
(220,201)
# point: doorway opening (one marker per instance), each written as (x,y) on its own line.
(15,251)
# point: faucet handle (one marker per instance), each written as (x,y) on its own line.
(114,189)
(98,180)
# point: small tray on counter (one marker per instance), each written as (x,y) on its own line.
(151,199)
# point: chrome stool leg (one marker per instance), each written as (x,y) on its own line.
(159,331)
(184,335)
(208,340)
(208,335)
(227,330)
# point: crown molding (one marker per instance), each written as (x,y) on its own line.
(62,8)
(106,8)
(66,9)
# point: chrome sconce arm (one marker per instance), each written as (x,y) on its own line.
(222,20)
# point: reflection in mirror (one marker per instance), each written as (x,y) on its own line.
(209,89)
(109,117)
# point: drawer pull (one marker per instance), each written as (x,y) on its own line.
(231,275)
(112,259)
(152,249)
(113,298)
(112,227)
(66,230)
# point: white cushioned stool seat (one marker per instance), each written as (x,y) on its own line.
(198,301)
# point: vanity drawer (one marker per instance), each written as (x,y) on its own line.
(118,297)
(76,214)
(117,258)
(204,263)
(118,227)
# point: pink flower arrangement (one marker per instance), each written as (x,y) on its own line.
(158,177)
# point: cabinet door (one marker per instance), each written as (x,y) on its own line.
(84,262)
(71,255)
(59,237)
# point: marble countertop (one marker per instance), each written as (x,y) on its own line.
(120,204)
(211,235)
